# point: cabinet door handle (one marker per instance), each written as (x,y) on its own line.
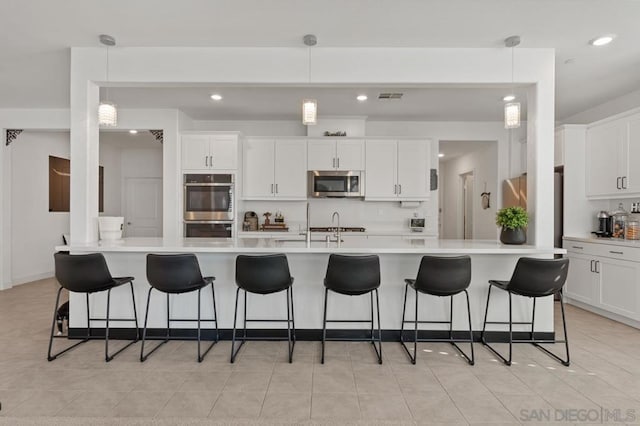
(577,247)
(338,162)
(276,188)
(395,189)
(618,183)
(333,163)
(624,182)
(591,266)
(597,266)
(272,188)
(615,252)
(399,189)
(206,161)
(211,161)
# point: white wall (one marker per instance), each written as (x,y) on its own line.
(606,109)
(35,230)
(484,165)
(121,162)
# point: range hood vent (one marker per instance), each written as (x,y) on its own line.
(390,95)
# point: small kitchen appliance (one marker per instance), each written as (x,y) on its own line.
(335,184)
(417,224)
(605,226)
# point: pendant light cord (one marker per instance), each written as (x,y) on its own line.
(309,65)
(106,89)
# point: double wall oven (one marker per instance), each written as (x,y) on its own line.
(208,205)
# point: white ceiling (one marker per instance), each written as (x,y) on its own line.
(36,35)
(284,103)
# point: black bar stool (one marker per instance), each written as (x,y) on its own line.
(263,275)
(532,278)
(443,277)
(353,276)
(177,274)
(88,274)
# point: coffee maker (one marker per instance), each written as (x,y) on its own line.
(605,225)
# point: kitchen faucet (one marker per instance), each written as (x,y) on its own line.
(337,233)
(308,233)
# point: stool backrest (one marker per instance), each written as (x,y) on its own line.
(263,274)
(444,275)
(538,277)
(172,273)
(82,273)
(353,274)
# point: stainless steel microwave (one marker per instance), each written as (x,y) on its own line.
(335,184)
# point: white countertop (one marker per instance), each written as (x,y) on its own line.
(267,245)
(609,241)
(296,234)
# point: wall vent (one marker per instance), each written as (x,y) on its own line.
(390,95)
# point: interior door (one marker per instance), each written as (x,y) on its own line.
(321,154)
(381,170)
(258,169)
(413,169)
(291,169)
(195,152)
(143,207)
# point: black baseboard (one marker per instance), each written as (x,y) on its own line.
(308,334)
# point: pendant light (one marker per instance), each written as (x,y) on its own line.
(107,111)
(309,106)
(512,109)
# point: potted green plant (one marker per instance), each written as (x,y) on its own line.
(513,221)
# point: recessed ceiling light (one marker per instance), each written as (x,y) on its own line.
(216,97)
(133,131)
(440,155)
(361,98)
(509,98)
(602,40)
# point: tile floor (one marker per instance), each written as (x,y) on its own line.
(262,388)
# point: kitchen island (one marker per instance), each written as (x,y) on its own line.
(399,259)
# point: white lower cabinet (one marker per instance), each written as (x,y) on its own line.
(598,279)
(619,281)
(582,281)
(274,169)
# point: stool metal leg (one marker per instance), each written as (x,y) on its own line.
(233,335)
(108,357)
(144,357)
(402,341)
(379,350)
(51,357)
(324,323)
(289,335)
(293,317)
(215,312)
(566,362)
(470,360)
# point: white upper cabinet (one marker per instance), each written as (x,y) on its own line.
(604,146)
(397,170)
(258,167)
(381,170)
(612,149)
(291,169)
(331,154)
(274,169)
(632,156)
(209,152)
(414,159)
